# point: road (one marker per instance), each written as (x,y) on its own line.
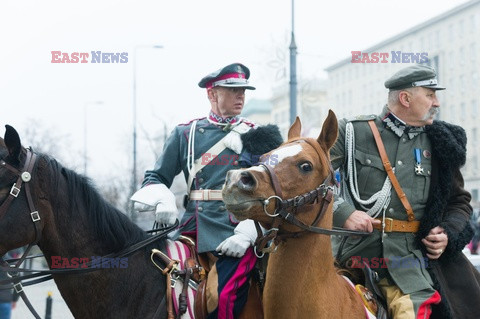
(37,294)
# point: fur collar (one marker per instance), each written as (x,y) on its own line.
(449,151)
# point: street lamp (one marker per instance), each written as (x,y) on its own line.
(85,133)
(134,170)
(293,71)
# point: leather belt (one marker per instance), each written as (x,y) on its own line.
(401,226)
(206,194)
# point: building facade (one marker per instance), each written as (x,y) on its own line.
(450,43)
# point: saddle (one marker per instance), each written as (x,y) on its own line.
(205,301)
(187,283)
(366,284)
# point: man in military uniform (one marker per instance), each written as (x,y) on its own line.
(205,149)
(426,157)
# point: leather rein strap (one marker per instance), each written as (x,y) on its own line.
(286,210)
(391,175)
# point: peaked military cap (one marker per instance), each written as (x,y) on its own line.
(413,76)
(233,75)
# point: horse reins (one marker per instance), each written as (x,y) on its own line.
(286,210)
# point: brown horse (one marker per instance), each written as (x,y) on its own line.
(302,281)
(74,221)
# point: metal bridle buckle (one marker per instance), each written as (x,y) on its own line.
(18,287)
(15,190)
(265,204)
(296,200)
(35,216)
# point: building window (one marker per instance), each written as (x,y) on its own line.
(451,87)
(475,194)
(463,111)
(451,59)
(473,52)
(451,36)
(453,113)
(474,108)
(473,26)
(474,135)
(462,56)
(462,84)
(461,28)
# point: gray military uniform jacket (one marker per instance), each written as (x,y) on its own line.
(209,219)
(409,268)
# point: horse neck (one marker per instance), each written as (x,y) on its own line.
(311,252)
(68,235)
(309,249)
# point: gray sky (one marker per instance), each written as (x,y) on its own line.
(198,38)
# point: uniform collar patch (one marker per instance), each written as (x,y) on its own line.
(399,127)
(222,120)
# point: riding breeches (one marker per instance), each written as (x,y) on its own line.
(232,284)
(416,305)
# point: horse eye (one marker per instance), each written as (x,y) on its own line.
(306,167)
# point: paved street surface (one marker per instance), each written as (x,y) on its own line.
(37,294)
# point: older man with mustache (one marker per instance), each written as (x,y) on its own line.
(402,182)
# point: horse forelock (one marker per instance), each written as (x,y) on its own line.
(111,227)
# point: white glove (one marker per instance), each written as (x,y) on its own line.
(159,199)
(236,245)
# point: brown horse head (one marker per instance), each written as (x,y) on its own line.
(297,167)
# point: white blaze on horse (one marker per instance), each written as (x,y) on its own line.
(290,195)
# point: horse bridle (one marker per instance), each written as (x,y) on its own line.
(24,176)
(285,209)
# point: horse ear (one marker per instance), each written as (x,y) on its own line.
(295,129)
(328,135)
(12,141)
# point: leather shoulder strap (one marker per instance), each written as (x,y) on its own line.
(391,175)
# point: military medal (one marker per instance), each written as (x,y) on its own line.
(418,162)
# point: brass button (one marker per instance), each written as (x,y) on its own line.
(200,209)
(368,161)
(201,130)
(200,180)
(400,163)
(199,171)
(222,208)
(391,210)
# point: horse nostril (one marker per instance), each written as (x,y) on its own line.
(247,181)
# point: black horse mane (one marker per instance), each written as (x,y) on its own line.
(110,226)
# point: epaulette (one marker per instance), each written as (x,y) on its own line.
(359,118)
(186,124)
